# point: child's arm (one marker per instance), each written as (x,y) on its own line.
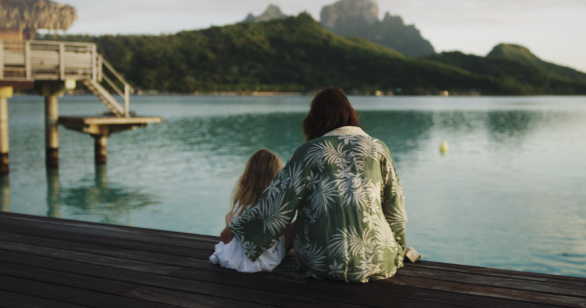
(226,236)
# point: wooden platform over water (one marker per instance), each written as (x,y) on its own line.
(105,125)
(47,262)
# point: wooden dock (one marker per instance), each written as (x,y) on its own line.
(52,68)
(47,262)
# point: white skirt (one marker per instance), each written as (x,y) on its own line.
(232,256)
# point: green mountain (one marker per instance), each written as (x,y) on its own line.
(519,70)
(292,54)
(359,18)
(523,55)
(298,54)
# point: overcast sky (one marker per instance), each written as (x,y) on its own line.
(555,30)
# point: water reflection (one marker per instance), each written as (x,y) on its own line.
(103,201)
(402,131)
(506,126)
(220,143)
(239,134)
(4,194)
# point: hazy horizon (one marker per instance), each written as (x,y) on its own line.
(549,28)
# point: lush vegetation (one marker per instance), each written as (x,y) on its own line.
(519,74)
(524,55)
(297,54)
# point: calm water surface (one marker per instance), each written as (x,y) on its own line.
(510,193)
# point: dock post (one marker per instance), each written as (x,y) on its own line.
(4,193)
(5,94)
(52,131)
(53,194)
(51,90)
(101,153)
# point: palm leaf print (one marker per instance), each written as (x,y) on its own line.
(271,211)
(349,243)
(325,193)
(311,254)
(296,172)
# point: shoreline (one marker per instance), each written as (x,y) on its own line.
(289,94)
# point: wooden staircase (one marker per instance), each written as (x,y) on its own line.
(51,68)
(104,96)
(93,84)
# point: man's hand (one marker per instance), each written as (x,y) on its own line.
(226,236)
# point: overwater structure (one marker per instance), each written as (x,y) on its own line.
(51,68)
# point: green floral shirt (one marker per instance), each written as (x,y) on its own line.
(350,204)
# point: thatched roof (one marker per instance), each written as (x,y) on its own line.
(36,14)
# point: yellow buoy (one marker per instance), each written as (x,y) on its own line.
(444,148)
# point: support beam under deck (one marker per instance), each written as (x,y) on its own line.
(5,94)
(51,90)
(100,150)
(52,131)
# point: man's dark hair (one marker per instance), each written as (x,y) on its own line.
(330,109)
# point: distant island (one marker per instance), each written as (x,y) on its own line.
(298,54)
(359,18)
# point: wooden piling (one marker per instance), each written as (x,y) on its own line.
(4,193)
(5,94)
(100,150)
(53,194)
(51,131)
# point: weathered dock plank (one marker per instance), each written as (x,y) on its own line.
(47,262)
(15,300)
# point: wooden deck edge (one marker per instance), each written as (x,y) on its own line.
(104,120)
(427,277)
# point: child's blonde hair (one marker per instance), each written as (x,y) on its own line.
(261,169)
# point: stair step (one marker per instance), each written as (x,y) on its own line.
(104,97)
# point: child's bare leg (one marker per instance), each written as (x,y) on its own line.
(289,235)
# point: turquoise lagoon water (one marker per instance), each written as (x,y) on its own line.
(510,193)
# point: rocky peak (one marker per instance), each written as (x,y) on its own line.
(349,13)
(390,19)
(272,12)
(360,18)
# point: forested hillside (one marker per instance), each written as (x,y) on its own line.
(524,72)
(298,54)
(522,54)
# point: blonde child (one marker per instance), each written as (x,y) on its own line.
(260,170)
